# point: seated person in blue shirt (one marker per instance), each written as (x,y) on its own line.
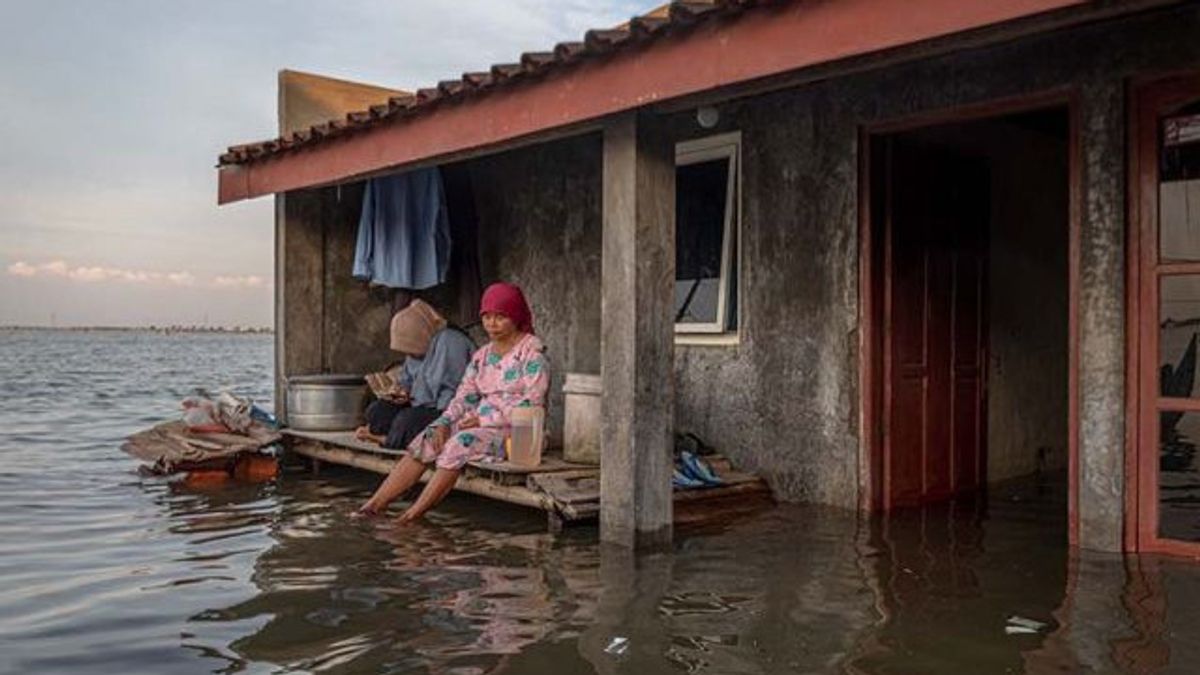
(436,358)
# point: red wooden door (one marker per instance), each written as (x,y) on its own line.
(1167,214)
(934,338)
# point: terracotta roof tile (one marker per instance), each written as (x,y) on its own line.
(598,41)
(504,71)
(565,51)
(477,80)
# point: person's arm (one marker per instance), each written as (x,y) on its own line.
(466,398)
(536,380)
(532,384)
(446,365)
(403,376)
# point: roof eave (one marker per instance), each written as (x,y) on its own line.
(759,44)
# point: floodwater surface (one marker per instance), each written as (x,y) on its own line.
(105,570)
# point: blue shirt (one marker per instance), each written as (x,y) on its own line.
(404,231)
(432,379)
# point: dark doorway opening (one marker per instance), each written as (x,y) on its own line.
(969,278)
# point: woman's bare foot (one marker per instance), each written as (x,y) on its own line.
(367,510)
(363,433)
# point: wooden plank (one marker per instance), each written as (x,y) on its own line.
(756,486)
(344,439)
(682,498)
(571,494)
(551,461)
(536,479)
(569,491)
(482,487)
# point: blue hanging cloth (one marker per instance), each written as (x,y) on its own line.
(404,231)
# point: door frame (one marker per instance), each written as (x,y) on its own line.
(870,299)
(1147,95)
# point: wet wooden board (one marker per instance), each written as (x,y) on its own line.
(577,493)
(475,485)
(567,492)
(551,461)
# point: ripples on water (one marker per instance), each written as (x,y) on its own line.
(104,570)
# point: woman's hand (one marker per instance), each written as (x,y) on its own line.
(468,422)
(441,434)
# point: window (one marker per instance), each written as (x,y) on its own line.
(706,234)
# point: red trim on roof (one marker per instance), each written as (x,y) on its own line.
(477,113)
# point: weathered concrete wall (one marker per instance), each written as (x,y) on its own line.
(326,320)
(357,315)
(784,400)
(539,227)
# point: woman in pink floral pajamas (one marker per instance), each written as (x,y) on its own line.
(507,373)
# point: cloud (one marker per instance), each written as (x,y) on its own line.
(22,269)
(94,274)
(240,282)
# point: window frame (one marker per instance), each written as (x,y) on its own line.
(720,146)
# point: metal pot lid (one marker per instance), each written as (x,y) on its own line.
(328,378)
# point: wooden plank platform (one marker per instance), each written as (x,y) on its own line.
(567,492)
(500,472)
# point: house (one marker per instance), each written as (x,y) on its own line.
(879,252)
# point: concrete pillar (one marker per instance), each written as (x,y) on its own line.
(299,282)
(1102,317)
(280,315)
(637,344)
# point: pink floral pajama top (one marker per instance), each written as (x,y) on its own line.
(491,387)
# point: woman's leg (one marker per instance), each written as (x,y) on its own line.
(463,446)
(407,424)
(435,491)
(380,414)
(402,477)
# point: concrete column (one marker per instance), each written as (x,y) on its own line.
(637,342)
(299,280)
(1102,317)
(280,312)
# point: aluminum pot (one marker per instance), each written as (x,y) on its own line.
(325,402)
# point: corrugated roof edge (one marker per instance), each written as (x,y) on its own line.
(596,43)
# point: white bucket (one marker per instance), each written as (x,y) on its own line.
(581,418)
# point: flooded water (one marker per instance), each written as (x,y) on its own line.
(104,570)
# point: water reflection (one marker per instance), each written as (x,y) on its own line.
(482,589)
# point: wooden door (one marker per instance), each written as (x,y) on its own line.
(936,223)
(1167,216)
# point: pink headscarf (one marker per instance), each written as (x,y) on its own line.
(507,299)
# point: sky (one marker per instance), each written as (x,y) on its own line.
(114,113)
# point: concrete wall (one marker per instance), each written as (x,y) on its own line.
(326,321)
(539,227)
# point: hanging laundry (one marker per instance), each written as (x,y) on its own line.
(404,231)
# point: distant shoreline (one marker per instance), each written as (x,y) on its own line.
(233,330)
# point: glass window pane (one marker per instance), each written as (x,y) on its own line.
(1179,323)
(700,198)
(1178,481)
(1179,187)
